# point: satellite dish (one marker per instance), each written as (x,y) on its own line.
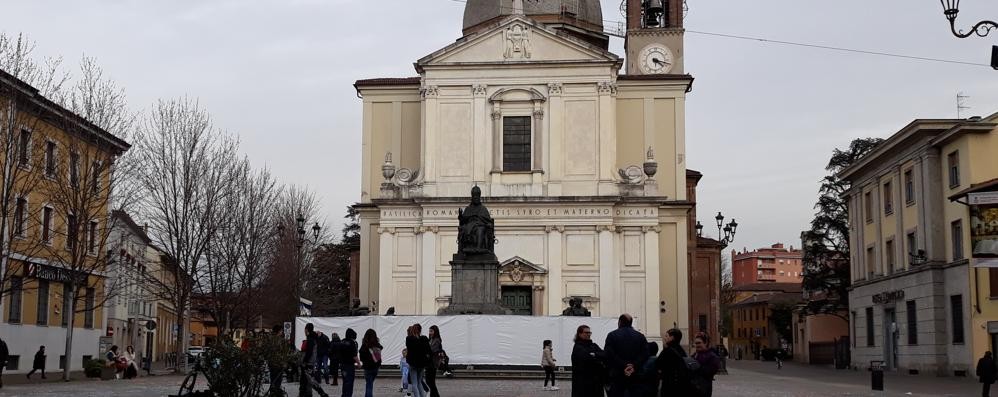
(150,325)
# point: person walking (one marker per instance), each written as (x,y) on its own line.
(4,356)
(710,363)
(39,363)
(626,353)
(131,369)
(987,372)
(437,358)
(441,361)
(334,358)
(588,365)
(309,355)
(277,367)
(672,367)
(419,360)
(322,363)
(404,369)
(370,358)
(349,361)
(548,363)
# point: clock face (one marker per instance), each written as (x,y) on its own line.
(656,59)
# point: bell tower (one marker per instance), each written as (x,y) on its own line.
(654,38)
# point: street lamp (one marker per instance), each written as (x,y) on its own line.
(728,229)
(952,7)
(699,229)
(299,243)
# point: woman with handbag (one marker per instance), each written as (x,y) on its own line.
(131,369)
(437,360)
(370,358)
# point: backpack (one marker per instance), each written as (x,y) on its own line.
(690,367)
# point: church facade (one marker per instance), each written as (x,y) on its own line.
(582,167)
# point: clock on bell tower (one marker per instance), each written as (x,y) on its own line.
(654,38)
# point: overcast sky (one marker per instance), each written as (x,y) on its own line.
(761,121)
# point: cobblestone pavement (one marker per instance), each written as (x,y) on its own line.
(746,378)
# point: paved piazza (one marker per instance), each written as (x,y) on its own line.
(747,379)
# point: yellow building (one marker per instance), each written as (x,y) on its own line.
(56,183)
(916,302)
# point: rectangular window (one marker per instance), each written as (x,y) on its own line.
(869,327)
(16,297)
(92,238)
(62,361)
(20,214)
(43,302)
(993,282)
(888,199)
(47,225)
(67,304)
(95,177)
(912,323)
(24,148)
(953,162)
(912,247)
(88,316)
(868,204)
(871,262)
(909,188)
(889,248)
(702,322)
(516,143)
(853,335)
(50,158)
(956,230)
(71,232)
(956,315)
(74,169)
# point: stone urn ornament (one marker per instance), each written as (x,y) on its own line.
(650,165)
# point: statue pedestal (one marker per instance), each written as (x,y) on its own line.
(474,285)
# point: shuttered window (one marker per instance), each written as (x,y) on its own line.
(516,143)
(912,323)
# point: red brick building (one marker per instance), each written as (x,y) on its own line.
(705,273)
(775,264)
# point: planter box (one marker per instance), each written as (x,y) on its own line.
(107,373)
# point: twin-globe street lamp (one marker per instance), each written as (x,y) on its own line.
(725,230)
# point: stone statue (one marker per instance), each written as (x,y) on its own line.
(476,229)
(575,309)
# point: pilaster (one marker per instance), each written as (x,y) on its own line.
(427,269)
(386,294)
(652,323)
(609,276)
(554,263)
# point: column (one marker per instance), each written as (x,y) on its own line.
(428,271)
(496,137)
(480,157)
(538,140)
(653,318)
(386,294)
(609,274)
(554,263)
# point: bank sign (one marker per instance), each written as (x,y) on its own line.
(983,224)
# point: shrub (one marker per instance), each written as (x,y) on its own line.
(92,368)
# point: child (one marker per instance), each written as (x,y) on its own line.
(404,367)
(548,362)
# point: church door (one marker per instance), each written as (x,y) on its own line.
(518,299)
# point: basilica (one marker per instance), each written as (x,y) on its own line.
(579,155)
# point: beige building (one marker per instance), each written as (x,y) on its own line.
(583,168)
(911,300)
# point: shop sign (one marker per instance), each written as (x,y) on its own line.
(886,297)
(983,224)
(56,274)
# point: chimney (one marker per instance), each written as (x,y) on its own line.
(778,245)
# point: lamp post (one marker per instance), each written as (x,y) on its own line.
(300,241)
(952,7)
(725,232)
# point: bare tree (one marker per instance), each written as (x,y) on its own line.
(186,176)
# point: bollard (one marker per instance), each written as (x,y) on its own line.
(877,375)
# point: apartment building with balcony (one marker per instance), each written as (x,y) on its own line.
(774,264)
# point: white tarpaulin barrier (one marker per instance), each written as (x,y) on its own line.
(471,339)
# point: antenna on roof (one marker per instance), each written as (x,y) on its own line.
(961,104)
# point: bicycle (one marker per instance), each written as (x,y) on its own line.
(187,386)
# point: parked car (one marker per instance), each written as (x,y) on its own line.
(194,352)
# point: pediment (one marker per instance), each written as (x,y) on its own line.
(522,265)
(516,39)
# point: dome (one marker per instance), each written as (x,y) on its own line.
(585,14)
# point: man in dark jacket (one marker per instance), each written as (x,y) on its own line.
(4,356)
(987,372)
(322,363)
(39,363)
(672,367)
(309,356)
(626,353)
